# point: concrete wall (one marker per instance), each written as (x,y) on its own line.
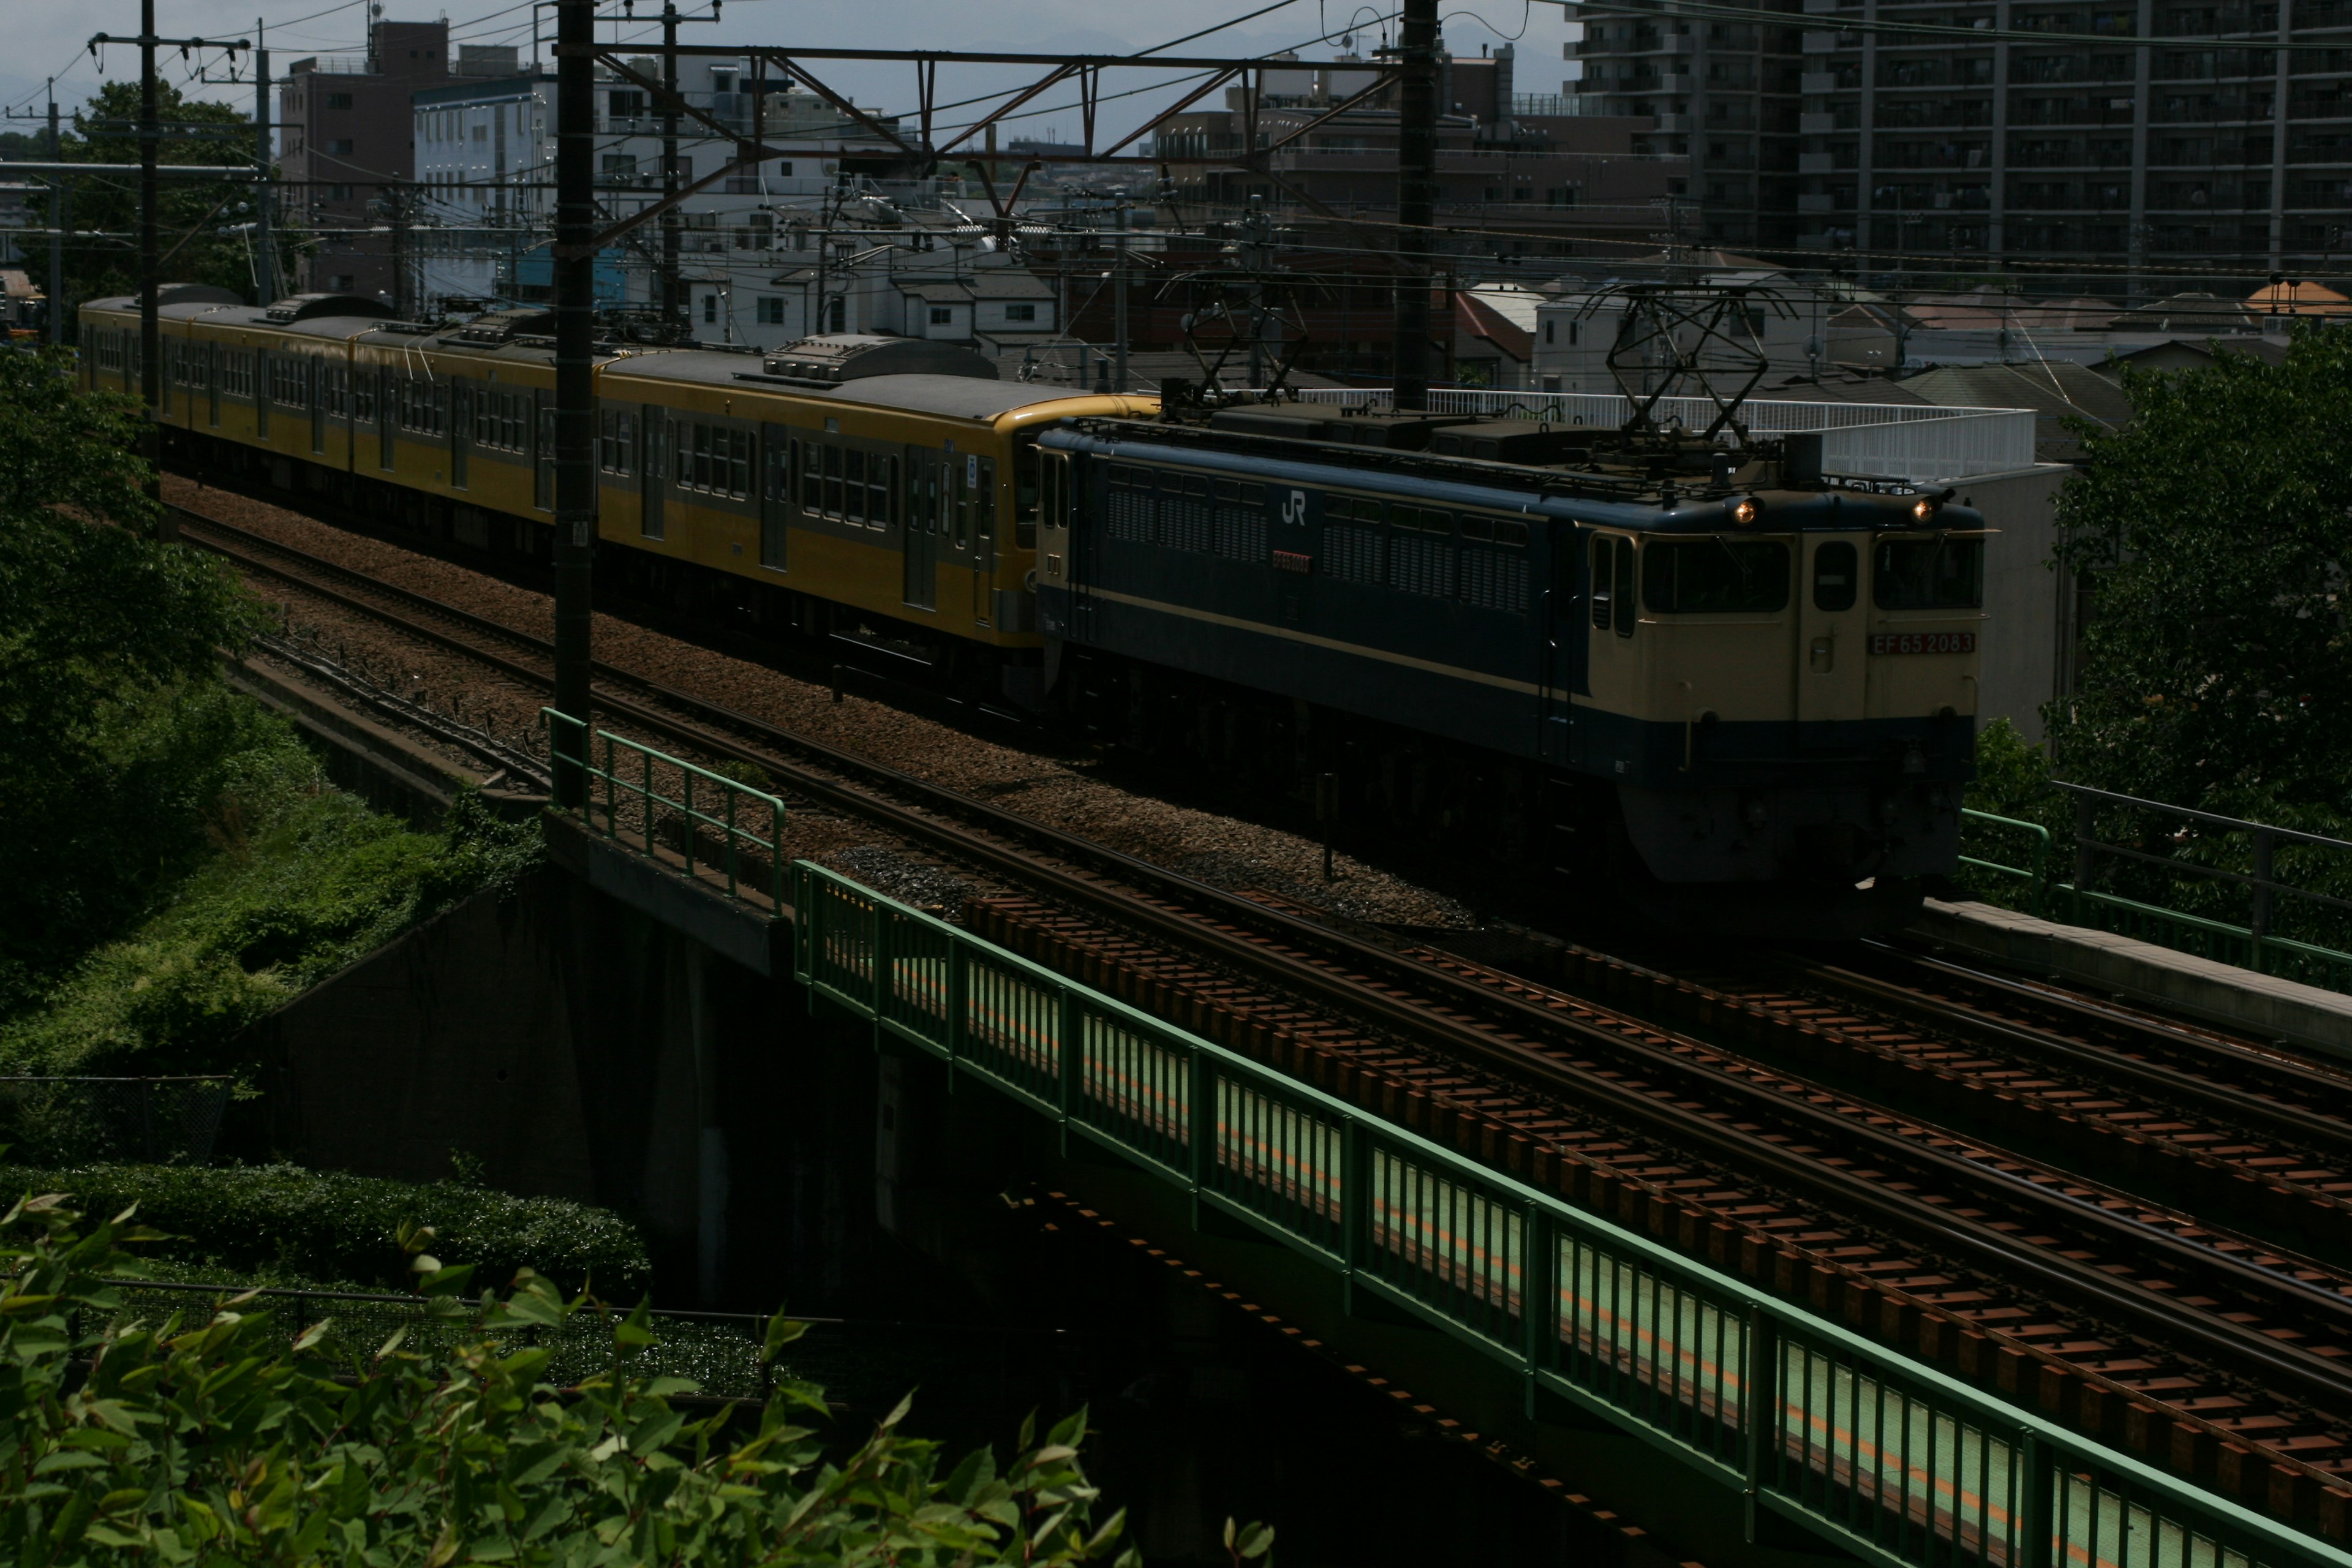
(2029,605)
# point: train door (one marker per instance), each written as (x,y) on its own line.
(1612,655)
(1563,650)
(653,472)
(919,568)
(1832,673)
(461,429)
(388,387)
(775,495)
(261,395)
(542,465)
(980,496)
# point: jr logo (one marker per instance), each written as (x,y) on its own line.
(1294,510)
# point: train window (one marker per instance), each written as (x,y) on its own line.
(1687,576)
(617,436)
(1476,527)
(363,397)
(1605,559)
(983,517)
(831,459)
(1938,573)
(853,486)
(1510,531)
(1620,588)
(1835,567)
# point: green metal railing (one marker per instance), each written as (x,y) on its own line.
(2255,945)
(1891,1459)
(748,824)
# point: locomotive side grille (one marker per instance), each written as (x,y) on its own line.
(1419,565)
(1184,523)
(1352,555)
(1241,535)
(1493,580)
(1130,516)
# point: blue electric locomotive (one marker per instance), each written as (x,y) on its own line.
(1728,687)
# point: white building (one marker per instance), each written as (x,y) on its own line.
(485,163)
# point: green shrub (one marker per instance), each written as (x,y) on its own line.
(286,1224)
(238,1437)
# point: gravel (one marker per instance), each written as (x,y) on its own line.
(1045,778)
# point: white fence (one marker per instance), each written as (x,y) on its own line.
(1923,443)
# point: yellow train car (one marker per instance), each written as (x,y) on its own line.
(884,490)
(893,477)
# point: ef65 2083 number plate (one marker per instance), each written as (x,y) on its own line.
(1923,642)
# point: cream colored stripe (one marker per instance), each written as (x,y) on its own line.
(1455,670)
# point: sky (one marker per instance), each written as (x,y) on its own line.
(46,36)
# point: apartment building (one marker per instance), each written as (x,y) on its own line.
(1720,95)
(346,159)
(2194,152)
(485,168)
(1520,176)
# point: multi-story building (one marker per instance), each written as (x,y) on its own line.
(1520,176)
(485,154)
(2192,151)
(346,159)
(1721,94)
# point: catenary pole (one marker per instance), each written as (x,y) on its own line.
(57,231)
(574,264)
(150,348)
(265,241)
(1416,198)
(672,302)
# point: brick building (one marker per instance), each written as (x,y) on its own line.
(348,159)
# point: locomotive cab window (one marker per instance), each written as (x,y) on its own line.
(1714,576)
(1937,572)
(1836,566)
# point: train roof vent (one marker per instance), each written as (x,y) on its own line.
(1335,422)
(504,326)
(1516,441)
(834,357)
(304,306)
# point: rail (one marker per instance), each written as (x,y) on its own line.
(667,827)
(2256,944)
(1894,1461)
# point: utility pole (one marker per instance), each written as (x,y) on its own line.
(151,357)
(1416,198)
(675,308)
(575,267)
(265,243)
(57,230)
(1119,298)
(151,345)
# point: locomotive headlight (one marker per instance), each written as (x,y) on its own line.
(1925,509)
(1746,510)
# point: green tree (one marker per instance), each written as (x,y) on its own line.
(198,220)
(105,783)
(231,1439)
(2217,527)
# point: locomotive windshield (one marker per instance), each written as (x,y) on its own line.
(1938,573)
(1699,575)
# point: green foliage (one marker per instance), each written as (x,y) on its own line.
(232,1440)
(195,215)
(299,882)
(286,1224)
(2011,780)
(2217,671)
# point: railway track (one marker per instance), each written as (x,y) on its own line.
(2204,1349)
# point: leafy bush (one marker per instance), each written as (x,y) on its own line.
(236,1439)
(286,1223)
(303,880)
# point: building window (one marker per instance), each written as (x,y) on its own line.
(1547,332)
(342,145)
(771,310)
(341,282)
(1019,313)
(339,193)
(338,101)
(710,307)
(943,315)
